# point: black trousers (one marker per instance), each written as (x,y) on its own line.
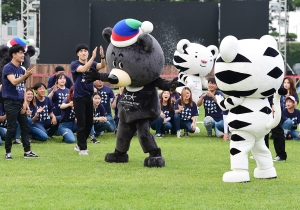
(278,141)
(84,114)
(12,110)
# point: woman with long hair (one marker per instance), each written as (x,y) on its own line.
(164,122)
(67,126)
(289,84)
(186,113)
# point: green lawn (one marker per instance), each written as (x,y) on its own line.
(192,178)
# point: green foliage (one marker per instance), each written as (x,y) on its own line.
(274,33)
(11,10)
(293,53)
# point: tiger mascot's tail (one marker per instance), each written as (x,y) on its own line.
(276,108)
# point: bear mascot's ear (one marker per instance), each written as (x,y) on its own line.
(106,33)
(146,41)
(182,45)
(30,51)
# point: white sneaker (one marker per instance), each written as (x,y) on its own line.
(83,152)
(76,148)
(197,130)
(178,134)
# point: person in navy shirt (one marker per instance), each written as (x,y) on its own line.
(114,106)
(83,91)
(185,113)
(3,122)
(45,120)
(289,85)
(13,83)
(107,97)
(291,117)
(67,126)
(213,113)
(57,94)
(164,122)
(52,79)
(174,97)
(100,118)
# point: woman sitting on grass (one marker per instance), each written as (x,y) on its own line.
(57,94)
(45,118)
(164,122)
(67,126)
(186,113)
(100,120)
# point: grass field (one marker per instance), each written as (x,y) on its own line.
(192,178)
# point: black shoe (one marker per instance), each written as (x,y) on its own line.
(8,156)
(17,141)
(30,154)
(95,141)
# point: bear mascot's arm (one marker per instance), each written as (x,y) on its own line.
(166,85)
(92,74)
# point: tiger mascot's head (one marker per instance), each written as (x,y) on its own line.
(193,58)
(249,67)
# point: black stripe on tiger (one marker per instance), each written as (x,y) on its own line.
(179,59)
(234,151)
(240,110)
(268,92)
(222,104)
(236,137)
(275,73)
(181,68)
(231,77)
(237,124)
(266,110)
(237,93)
(271,52)
(184,51)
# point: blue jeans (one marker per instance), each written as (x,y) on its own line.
(46,127)
(182,124)
(98,127)
(67,130)
(210,123)
(2,134)
(159,126)
(112,125)
(36,133)
(287,127)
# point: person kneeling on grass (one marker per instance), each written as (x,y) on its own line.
(68,126)
(164,122)
(291,118)
(185,113)
(100,121)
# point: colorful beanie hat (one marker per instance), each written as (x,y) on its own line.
(20,41)
(126,32)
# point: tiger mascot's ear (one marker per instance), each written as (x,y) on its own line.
(229,48)
(214,50)
(182,45)
(106,34)
(270,40)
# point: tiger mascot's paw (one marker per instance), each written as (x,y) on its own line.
(116,157)
(155,159)
(236,176)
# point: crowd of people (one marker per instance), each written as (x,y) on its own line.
(76,110)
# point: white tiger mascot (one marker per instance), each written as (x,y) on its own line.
(194,62)
(249,71)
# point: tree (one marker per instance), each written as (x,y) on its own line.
(11,10)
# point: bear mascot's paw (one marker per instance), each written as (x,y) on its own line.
(155,159)
(116,157)
(269,173)
(236,176)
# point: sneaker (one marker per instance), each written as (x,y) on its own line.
(17,141)
(288,136)
(102,133)
(76,148)
(278,159)
(83,152)
(30,154)
(178,134)
(95,141)
(158,135)
(8,156)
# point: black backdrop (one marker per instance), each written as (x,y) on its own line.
(65,24)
